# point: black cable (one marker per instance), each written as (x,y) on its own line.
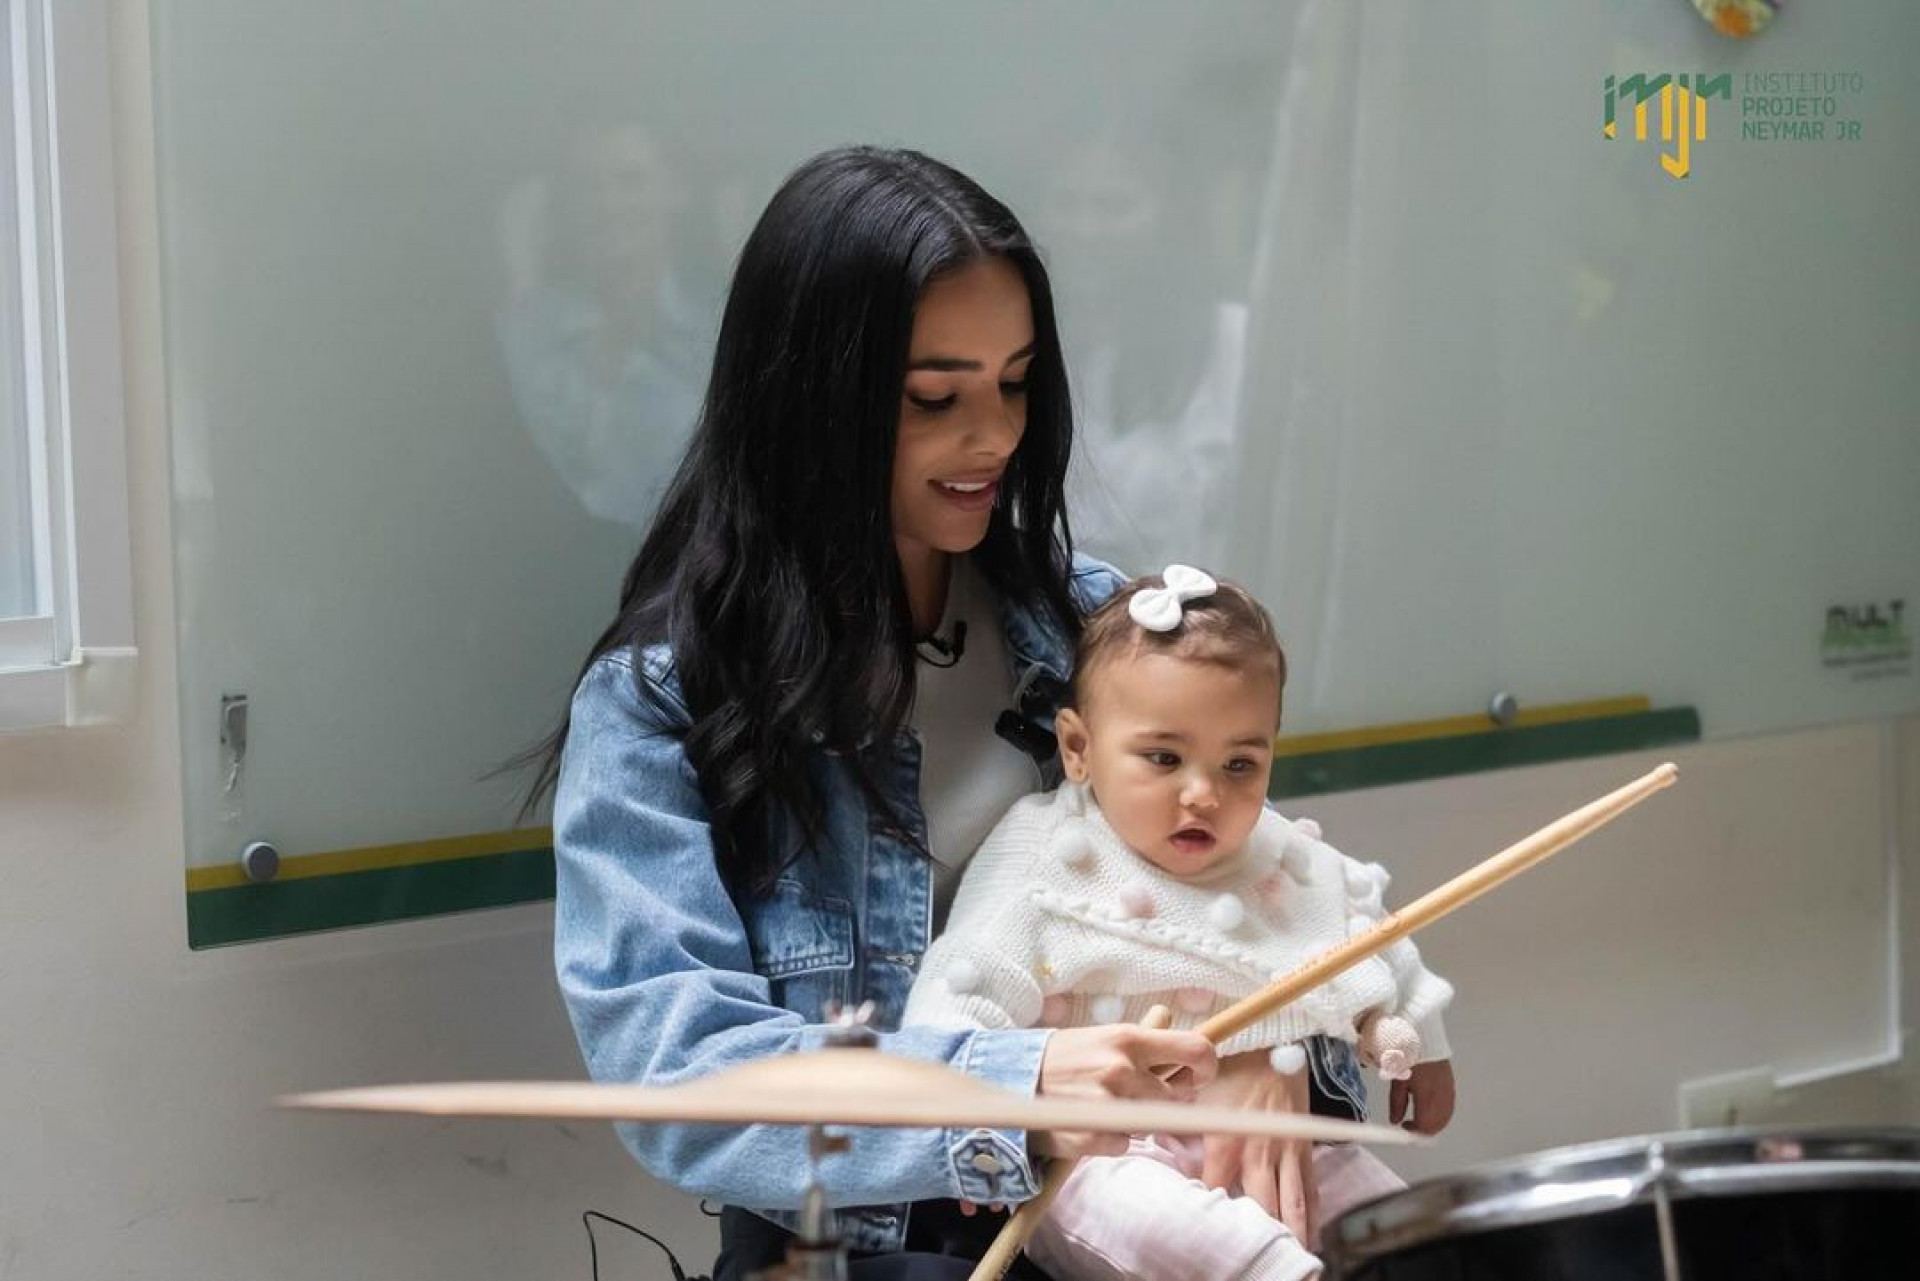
(593,1247)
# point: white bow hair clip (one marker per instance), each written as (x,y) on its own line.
(1158,609)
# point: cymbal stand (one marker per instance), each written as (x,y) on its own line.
(816,1252)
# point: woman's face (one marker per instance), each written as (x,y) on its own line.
(963,410)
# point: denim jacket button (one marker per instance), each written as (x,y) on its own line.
(986,1163)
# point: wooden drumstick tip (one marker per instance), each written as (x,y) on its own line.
(1665,774)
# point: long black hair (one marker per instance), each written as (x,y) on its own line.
(770,568)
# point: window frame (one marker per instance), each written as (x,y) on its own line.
(73,663)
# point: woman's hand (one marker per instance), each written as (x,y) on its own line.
(1119,1061)
(1276,1173)
(1423,1102)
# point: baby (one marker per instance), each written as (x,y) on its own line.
(1155,875)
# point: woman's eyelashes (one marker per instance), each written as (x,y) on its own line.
(940,404)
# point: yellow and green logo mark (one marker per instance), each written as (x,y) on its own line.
(1683,111)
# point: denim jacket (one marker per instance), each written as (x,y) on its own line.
(667,977)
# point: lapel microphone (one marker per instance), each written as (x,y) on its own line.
(945,652)
(1036,696)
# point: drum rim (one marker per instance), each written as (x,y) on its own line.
(1592,1178)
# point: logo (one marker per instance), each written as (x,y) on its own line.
(1775,107)
(1869,639)
(1683,111)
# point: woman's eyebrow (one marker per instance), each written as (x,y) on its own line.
(956,364)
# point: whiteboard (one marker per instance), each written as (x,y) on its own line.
(1360,308)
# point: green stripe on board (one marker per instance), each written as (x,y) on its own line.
(250,912)
(301,905)
(1379,764)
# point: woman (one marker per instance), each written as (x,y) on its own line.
(785,744)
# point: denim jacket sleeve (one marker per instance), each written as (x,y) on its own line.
(655,965)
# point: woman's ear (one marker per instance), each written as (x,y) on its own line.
(1074,742)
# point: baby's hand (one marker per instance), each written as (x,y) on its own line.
(1389,1044)
(1423,1102)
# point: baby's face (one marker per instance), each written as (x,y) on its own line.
(1178,753)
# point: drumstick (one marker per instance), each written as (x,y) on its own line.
(1393,927)
(1430,907)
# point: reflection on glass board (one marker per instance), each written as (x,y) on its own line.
(1156,387)
(603,342)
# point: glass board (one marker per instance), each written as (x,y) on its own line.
(1361,307)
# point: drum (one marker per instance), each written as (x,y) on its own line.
(1700,1206)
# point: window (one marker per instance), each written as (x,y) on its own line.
(20,577)
(66,635)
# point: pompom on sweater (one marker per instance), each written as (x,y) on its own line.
(1058,923)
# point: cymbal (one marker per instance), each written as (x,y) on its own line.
(845,1087)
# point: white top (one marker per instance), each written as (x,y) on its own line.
(1059,923)
(968,774)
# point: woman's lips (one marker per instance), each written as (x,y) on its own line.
(970,496)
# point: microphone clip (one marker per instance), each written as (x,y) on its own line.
(1025,735)
(949,652)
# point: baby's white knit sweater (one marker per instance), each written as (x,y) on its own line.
(1058,923)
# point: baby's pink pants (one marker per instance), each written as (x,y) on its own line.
(1147,1215)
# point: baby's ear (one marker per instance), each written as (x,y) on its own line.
(1072,733)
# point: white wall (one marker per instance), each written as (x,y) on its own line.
(1736,923)
(135,1074)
